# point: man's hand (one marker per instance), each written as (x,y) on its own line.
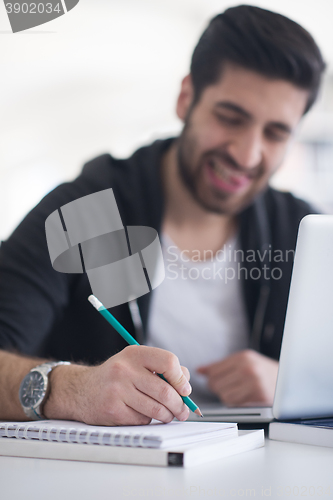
(243,378)
(124,390)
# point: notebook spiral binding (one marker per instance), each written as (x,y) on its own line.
(71,435)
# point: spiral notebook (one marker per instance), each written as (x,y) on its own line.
(154,435)
(181,444)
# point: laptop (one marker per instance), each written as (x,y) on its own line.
(304,387)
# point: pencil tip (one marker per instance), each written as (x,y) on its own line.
(198,412)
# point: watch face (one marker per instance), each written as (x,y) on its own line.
(32,389)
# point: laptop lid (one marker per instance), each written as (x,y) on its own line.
(305,380)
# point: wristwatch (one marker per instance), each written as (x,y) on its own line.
(35,388)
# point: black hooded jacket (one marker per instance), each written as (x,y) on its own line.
(46,313)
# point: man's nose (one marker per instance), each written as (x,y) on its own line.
(247,149)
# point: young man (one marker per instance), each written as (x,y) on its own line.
(253,75)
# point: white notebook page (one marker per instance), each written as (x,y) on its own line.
(155,435)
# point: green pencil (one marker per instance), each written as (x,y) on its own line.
(128,337)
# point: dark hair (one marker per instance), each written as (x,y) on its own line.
(259,40)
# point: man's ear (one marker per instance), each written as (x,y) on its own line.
(185,97)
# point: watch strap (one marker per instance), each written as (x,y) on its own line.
(47,367)
(44,369)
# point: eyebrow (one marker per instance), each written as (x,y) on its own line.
(231,106)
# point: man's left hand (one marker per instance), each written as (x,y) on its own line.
(243,378)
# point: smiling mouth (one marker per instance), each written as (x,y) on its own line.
(225,178)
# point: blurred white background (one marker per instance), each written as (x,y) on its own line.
(105,77)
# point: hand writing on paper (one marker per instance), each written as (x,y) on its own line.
(124,390)
(243,378)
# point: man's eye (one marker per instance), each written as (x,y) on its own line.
(276,135)
(229,120)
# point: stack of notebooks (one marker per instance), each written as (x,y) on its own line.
(307,431)
(175,444)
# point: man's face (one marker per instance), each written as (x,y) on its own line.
(235,137)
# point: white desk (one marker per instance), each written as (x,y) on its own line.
(265,472)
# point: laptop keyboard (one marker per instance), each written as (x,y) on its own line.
(321,422)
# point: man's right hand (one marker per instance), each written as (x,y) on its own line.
(124,390)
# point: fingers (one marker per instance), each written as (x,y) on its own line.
(221,384)
(243,378)
(238,361)
(186,372)
(136,370)
(223,367)
(236,396)
(129,416)
(151,407)
(131,393)
(165,402)
(165,363)
(231,390)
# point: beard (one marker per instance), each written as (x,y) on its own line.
(191,172)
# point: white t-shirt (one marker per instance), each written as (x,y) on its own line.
(198,311)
